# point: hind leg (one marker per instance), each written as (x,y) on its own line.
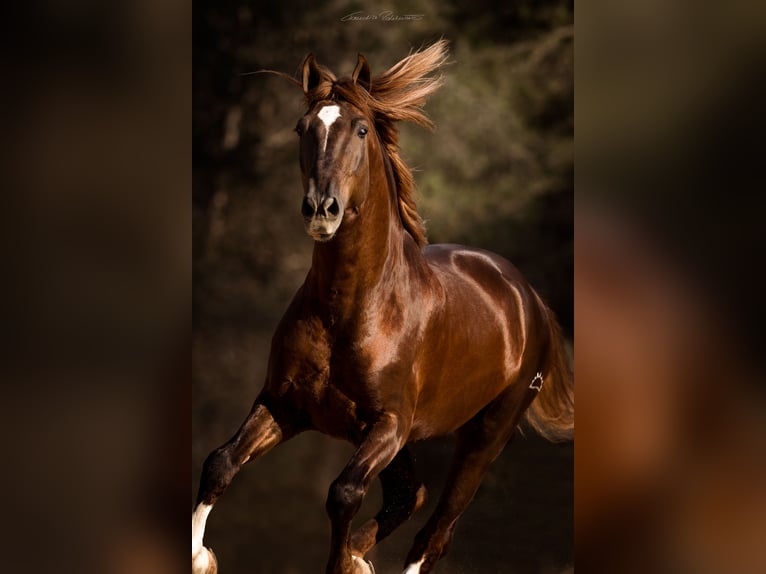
(480,442)
(403,495)
(258,434)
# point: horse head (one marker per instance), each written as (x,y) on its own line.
(334,147)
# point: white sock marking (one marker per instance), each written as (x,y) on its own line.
(414,568)
(328,115)
(199,518)
(200,562)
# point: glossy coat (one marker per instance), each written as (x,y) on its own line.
(390,341)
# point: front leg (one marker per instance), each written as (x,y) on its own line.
(383,441)
(403,495)
(258,434)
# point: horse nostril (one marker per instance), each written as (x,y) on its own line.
(334,208)
(307,208)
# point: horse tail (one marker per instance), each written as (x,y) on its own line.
(551,413)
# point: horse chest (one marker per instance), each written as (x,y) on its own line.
(323,379)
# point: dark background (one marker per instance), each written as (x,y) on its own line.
(95,299)
(95,296)
(496,173)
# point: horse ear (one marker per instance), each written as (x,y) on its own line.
(361,73)
(311,75)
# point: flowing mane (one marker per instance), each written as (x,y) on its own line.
(395,95)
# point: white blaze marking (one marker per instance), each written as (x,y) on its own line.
(414,568)
(328,115)
(199,517)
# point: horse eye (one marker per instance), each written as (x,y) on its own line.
(299,130)
(362,132)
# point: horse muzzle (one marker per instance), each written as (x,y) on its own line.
(321,218)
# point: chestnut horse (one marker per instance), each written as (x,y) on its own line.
(390,341)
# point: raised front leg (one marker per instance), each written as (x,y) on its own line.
(347,492)
(258,434)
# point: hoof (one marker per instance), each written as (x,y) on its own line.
(204,562)
(362,566)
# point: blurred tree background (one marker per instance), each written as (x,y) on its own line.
(496,173)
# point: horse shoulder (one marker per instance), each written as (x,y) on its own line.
(300,349)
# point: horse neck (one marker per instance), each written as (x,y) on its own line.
(367,249)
